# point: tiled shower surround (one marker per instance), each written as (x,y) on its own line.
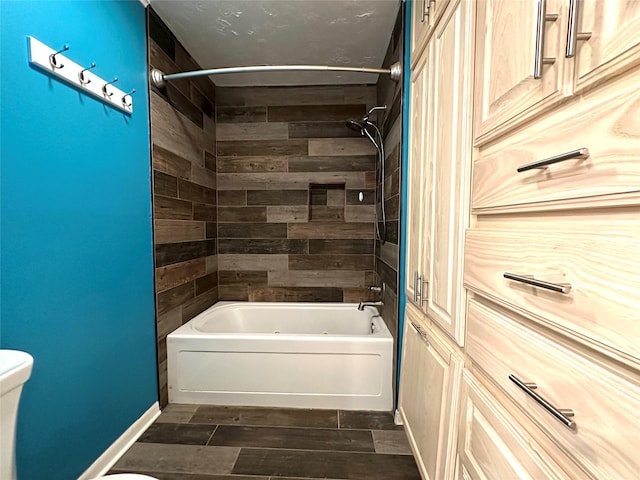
(291,226)
(265,194)
(184,191)
(387,254)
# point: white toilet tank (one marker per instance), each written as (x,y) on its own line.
(15,369)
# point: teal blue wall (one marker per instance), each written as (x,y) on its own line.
(76,238)
(406,78)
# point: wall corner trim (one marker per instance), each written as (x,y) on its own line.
(118,448)
(145,3)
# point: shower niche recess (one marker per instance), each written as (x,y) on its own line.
(327,202)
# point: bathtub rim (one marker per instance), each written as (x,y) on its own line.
(188,330)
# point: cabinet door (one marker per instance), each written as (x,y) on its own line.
(424,17)
(415,173)
(449,158)
(506,91)
(438,7)
(614,44)
(429,383)
(420,26)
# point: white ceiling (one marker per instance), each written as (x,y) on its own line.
(229,33)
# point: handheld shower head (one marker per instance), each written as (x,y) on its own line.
(356,125)
(368,129)
(361,128)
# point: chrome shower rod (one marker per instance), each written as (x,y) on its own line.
(159,78)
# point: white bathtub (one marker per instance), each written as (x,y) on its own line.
(305,355)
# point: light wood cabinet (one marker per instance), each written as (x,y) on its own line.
(599,307)
(420,27)
(425,15)
(532,55)
(429,385)
(417,177)
(605,126)
(565,229)
(448,154)
(551,257)
(493,446)
(508,47)
(437,214)
(588,410)
(613,45)
(441,156)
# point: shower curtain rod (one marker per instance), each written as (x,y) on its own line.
(159,78)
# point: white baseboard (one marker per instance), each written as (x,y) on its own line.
(112,454)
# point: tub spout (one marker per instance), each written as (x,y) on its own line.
(361,305)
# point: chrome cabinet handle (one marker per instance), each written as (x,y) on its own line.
(572,34)
(425,9)
(539,58)
(422,282)
(417,287)
(559,414)
(529,280)
(579,153)
(420,331)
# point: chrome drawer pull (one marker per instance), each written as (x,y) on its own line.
(572,34)
(539,58)
(580,153)
(420,331)
(529,280)
(417,327)
(560,414)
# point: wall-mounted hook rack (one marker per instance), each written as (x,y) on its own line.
(61,67)
(81,78)
(107,92)
(124,98)
(53,61)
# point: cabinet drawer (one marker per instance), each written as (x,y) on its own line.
(608,127)
(601,307)
(604,435)
(492,446)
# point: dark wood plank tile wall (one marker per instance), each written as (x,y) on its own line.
(234,213)
(184,187)
(387,254)
(279,239)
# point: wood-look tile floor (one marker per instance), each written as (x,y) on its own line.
(203,442)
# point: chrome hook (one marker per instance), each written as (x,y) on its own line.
(104,87)
(124,98)
(81,78)
(52,57)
